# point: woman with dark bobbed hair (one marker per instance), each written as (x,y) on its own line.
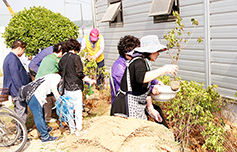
(126,44)
(71,69)
(131,98)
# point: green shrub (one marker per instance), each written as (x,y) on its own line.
(39,27)
(194,108)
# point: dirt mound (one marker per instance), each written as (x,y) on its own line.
(117,134)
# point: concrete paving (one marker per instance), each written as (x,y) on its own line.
(230,112)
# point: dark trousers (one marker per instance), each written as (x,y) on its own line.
(100,76)
(20,108)
(32,74)
(48,106)
(163,122)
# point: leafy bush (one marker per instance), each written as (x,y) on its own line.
(90,70)
(193,109)
(40,28)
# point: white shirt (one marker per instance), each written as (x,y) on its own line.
(45,88)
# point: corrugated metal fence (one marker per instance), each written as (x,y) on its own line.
(212,62)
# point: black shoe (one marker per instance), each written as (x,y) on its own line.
(49,129)
(177,140)
(50,138)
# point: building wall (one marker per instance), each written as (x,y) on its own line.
(223,42)
(193,58)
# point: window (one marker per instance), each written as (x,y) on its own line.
(114,14)
(162,10)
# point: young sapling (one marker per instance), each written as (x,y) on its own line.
(177,38)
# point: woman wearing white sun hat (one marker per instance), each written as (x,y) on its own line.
(130,100)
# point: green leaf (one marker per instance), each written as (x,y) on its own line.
(39,27)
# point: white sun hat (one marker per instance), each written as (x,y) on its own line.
(150,44)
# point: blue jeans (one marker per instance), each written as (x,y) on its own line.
(38,113)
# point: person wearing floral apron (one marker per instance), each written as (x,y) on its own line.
(130,100)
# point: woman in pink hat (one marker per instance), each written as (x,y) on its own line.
(93,43)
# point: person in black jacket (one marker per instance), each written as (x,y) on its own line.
(15,76)
(73,77)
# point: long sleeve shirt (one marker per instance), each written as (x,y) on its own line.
(15,74)
(72,66)
(118,69)
(35,62)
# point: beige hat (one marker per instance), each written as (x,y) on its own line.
(150,44)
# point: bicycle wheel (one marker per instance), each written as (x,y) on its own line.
(13,132)
(6,109)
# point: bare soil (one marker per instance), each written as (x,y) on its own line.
(115,134)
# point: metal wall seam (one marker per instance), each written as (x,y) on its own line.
(207,43)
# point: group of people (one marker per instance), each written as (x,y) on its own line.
(39,88)
(132,79)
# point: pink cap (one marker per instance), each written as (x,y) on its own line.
(94,34)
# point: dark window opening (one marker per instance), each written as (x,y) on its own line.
(162,10)
(114,14)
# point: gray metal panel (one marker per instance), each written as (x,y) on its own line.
(111,42)
(225,32)
(224,19)
(134,18)
(143,17)
(99,17)
(193,55)
(99,3)
(227,70)
(137,9)
(224,44)
(102,9)
(188,2)
(223,6)
(102,24)
(192,66)
(161,7)
(192,10)
(191,76)
(149,26)
(225,82)
(228,93)
(224,57)
(132,3)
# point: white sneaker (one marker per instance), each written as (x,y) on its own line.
(72,131)
(80,133)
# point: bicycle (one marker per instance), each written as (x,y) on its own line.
(13,132)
